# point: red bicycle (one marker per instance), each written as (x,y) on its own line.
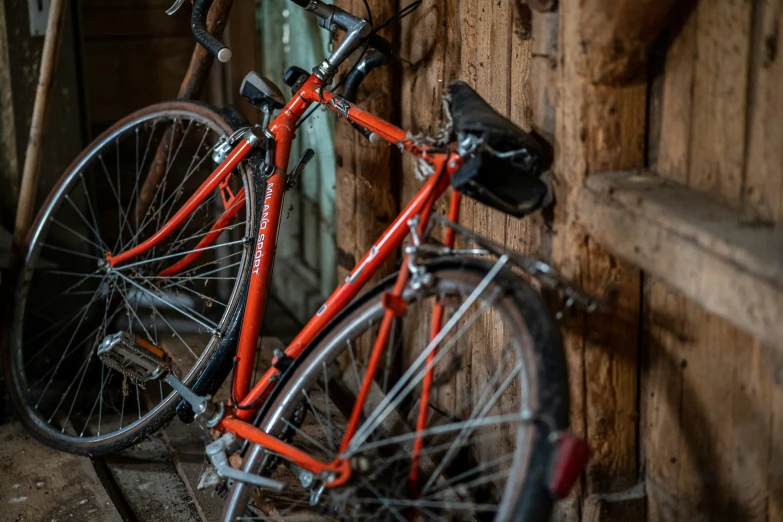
(130,308)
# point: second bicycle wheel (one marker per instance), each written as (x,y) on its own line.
(499,390)
(68,299)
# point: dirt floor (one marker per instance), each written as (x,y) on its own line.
(153,481)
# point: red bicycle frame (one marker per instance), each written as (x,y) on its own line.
(444,164)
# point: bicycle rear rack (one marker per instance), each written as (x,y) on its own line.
(538,270)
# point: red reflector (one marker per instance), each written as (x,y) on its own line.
(571,457)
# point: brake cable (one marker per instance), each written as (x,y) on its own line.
(395,18)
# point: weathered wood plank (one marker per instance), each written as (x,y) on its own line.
(125,69)
(626,506)
(241,36)
(150,484)
(366,180)
(763,188)
(617,35)
(9,166)
(708,432)
(761,383)
(39,483)
(666,323)
(543,73)
(597,127)
(733,268)
(108,20)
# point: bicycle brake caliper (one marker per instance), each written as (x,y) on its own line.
(218,455)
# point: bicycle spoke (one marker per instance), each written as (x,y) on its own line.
(87,223)
(465,506)
(69,306)
(328,409)
(325,427)
(79,314)
(72,231)
(149,218)
(195,316)
(174,331)
(57,366)
(205,274)
(91,209)
(131,309)
(71,252)
(72,351)
(98,402)
(179,254)
(119,202)
(480,411)
(515,418)
(408,380)
(308,438)
(385,501)
(82,371)
(178,192)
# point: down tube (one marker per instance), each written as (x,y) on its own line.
(386,246)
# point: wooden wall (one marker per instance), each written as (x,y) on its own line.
(683,411)
(20,56)
(713,398)
(134,55)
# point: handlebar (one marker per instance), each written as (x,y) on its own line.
(198,25)
(331,18)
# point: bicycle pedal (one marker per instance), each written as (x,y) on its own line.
(218,456)
(133,356)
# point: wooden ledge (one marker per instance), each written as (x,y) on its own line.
(731,266)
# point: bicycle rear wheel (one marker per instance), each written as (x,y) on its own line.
(499,390)
(68,299)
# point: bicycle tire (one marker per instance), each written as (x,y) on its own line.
(533,502)
(209,370)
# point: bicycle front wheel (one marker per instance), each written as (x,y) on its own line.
(499,388)
(68,299)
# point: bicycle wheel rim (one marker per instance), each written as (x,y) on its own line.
(173,111)
(320,351)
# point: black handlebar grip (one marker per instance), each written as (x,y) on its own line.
(302,3)
(198,24)
(381,44)
(360,72)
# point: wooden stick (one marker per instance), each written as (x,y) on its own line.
(32,163)
(192,85)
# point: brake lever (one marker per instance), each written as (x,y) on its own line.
(175,7)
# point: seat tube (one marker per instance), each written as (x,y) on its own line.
(435,326)
(269,205)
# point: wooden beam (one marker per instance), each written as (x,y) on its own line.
(366,174)
(597,128)
(616,36)
(704,249)
(543,73)
(33,156)
(625,506)
(9,167)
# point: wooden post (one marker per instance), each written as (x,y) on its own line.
(366,181)
(9,168)
(616,36)
(32,163)
(191,88)
(201,60)
(598,128)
